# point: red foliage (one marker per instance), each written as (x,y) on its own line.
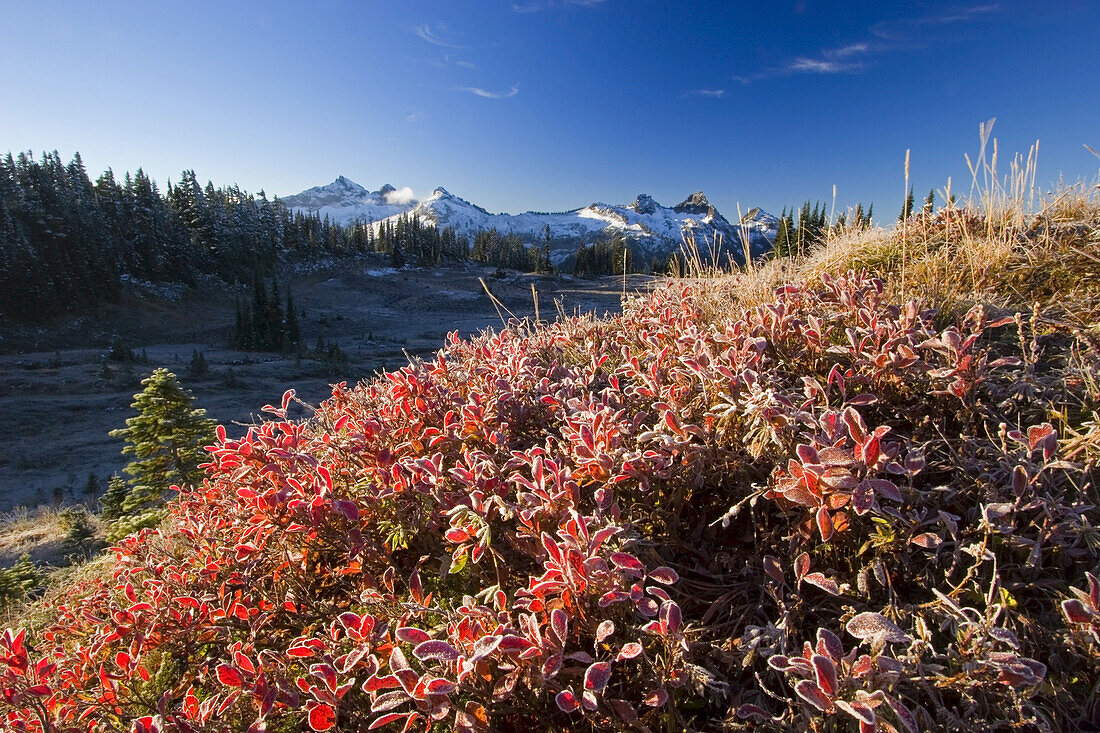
(461,540)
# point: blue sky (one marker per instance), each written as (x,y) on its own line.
(553,104)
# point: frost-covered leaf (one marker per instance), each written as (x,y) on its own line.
(664,575)
(597,676)
(826,584)
(811,693)
(436,649)
(870,624)
(567,701)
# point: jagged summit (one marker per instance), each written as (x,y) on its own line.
(345,201)
(651,228)
(644,204)
(696,203)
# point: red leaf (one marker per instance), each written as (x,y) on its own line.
(322,717)
(244,663)
(825,672)
(670,617)
(597,676)
(629,651)
(826,584)
(802,565)
(829,643)
(628,563)
(863,498)
(860,712)
(904,716)
(567,701)
(811,693)
(228,676)
(1076,612)
(559,624)
(435,649)
(411,635)
(440,686)
(824,523)
(389,718)
(664,575)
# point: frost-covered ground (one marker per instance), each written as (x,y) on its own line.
(60,402)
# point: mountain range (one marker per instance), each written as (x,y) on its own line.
(649,227)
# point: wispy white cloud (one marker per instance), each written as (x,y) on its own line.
(513,91)
(400,196)
(712,93)
(414,117)
(814,66)
(534,6)
(925,28)
(886,37)
(438,35)
(851,49)
(843,59)
(453,61)
(831,60)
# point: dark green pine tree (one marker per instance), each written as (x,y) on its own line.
(111,501)
(198,366)
(293,329)
(870,222)
(930,202)
(397,257)
(544,264)
(782,245)
(907,209)
(166,439)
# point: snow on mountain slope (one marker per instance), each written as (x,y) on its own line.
(651,229)
(345,201)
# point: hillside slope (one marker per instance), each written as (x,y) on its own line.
(835,507)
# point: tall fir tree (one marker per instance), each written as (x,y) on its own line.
(166,439)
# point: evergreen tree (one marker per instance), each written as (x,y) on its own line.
(397,257)
(907,208)
(20,579)
(930,202)
(198,366)
(545,265)
(166,438)
(111,501)
(91,486)
(293,329)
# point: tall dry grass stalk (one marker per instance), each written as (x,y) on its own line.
(1007,244)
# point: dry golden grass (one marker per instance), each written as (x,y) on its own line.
(1007,245)
(39,533)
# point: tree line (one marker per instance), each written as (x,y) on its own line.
(68,242)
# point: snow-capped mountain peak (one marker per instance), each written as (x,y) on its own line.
(644,204)
(698,205)
(649,227)
(345,201)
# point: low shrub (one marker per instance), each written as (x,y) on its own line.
(830,511)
